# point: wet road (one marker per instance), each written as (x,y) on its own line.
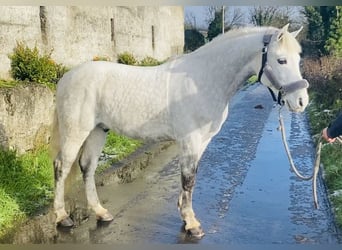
(245,192)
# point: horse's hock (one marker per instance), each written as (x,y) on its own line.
(26,115)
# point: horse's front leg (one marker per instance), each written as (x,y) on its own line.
(188,176)
(192,151)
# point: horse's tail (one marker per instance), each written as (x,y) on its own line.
(54,141)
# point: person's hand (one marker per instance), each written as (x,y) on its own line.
(326,137)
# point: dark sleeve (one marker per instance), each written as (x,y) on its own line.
(335,128)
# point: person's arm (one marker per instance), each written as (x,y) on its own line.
(335,128)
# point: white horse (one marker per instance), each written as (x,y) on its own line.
(185,100)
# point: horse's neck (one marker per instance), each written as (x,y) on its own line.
(225,64)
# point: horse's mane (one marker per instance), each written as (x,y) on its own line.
(288,42)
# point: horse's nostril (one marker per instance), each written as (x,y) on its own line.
(301,102)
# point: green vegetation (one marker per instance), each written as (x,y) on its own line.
(27,181)
(8,84)
(215,26)
(117,147)
(26,185)
(129,59)
(101,58)
(28,65)
(12,84)
(149,61)
(252,79)
(271,16)
(324,35)
(325,77)
(193,39)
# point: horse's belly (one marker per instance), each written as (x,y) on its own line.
(147,131)
(139,121)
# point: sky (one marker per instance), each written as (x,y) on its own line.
(200,13)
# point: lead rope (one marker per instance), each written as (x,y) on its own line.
(293,167)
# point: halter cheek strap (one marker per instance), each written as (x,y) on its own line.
(266,40)
(267,69)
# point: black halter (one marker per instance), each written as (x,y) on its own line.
(266,40)
(267,69)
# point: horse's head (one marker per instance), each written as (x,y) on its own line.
(280,70)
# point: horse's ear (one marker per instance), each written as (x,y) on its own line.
(295,33)
(282,32)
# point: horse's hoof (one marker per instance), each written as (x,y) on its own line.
(66,223)
(105,218)
(195,233)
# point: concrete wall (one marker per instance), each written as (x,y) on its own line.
(76,34)
(26,116)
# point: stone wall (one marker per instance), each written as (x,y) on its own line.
(26,115)
(76,34)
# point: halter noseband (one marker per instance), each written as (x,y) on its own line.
(267,69)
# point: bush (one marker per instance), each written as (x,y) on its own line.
(60,71)
(101,58)
(127,58)
(28,65)
(325,76)
(149,61)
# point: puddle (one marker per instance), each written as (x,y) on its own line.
(245,192)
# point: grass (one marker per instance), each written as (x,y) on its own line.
(14,83)
(325,79)
(8,84)
(331,158)
(119,147)
(27,181)
(332,162)
(26,185)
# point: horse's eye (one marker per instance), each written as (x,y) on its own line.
(282,61)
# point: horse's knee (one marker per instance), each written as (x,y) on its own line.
(188,177)
(188,182)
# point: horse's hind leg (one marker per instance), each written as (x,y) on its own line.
(88,163)
(62,165)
